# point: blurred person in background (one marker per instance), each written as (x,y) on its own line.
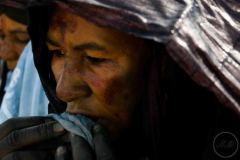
(24,95)
(13,38)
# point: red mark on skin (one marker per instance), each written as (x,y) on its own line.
(62,29)
(109,88)
(63,25)
(72,26)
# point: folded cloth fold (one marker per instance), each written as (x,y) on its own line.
(24,94)
(77,124)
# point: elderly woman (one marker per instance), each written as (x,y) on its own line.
(110,61)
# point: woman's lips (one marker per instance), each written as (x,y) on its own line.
(77,110)
(82,110)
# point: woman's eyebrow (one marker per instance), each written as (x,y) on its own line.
(89,46)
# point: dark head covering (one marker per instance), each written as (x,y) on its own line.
(15,10)
(202,36)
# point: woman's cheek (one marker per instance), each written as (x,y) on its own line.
(112,93)
(18,48)
(103,85)
(114,98)
(112,88)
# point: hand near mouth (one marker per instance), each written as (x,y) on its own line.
(41,138)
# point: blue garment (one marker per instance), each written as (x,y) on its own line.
(8,80)
(24,96)
(76,124)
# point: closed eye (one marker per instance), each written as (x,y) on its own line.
(22,41)
(95,60)
(20,36)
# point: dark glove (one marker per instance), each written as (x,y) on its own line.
(30,138)
(81,150)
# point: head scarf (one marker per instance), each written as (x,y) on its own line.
(14,10)
(202,36)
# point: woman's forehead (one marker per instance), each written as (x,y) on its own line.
(61,17)
(68,25)
(64,20)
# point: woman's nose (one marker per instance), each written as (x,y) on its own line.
(70,85)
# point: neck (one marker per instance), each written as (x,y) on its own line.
(11,64)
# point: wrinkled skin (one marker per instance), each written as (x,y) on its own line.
(98,71)
(100,74)
(13,38)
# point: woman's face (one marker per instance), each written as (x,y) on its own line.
(99,72)
(13,38)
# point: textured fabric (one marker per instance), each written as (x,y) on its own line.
(20,4)
(76,124)
(25,95)
(202,36)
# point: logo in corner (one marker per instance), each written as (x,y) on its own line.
(225,145)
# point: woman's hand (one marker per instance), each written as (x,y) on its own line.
(26,138)
(102,144)
(81,150)
(41,138)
